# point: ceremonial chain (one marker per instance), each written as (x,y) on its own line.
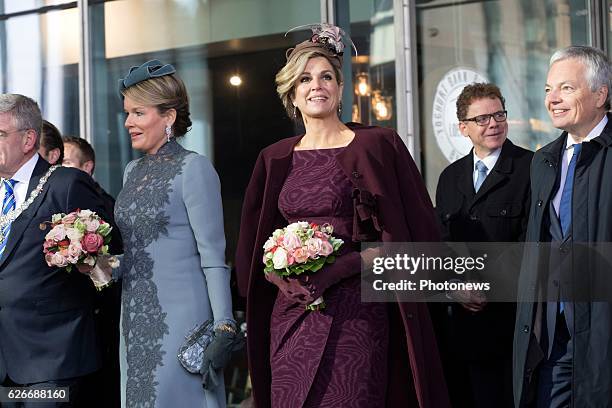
(9,217)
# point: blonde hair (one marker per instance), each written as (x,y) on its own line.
(289,74)
(165,93)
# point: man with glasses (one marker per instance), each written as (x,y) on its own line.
(482,197)
(563,343)
(47,336)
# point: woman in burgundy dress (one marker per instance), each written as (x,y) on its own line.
(349,354)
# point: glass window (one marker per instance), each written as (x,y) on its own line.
(609,27)
(508,43)
(39,58)
(21,6)
(373,69)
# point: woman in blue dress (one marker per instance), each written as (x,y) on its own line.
(173,270)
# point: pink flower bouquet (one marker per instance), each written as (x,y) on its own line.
(80,239)
(301,247)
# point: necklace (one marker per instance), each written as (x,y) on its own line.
(10,216)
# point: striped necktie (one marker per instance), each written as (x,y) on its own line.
(482,174)
(8,204)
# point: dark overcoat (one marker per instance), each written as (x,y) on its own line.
(391,205)
(496,213)
(591,222)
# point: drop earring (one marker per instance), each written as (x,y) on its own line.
(168,132)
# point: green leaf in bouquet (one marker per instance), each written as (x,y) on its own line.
(80,225)
(104,230)
(298,269)
(330,259)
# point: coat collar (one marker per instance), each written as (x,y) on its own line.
(503,167)
(283,149)
(551,153)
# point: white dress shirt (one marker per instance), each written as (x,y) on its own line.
(567,157)
(22,176)
(488,161)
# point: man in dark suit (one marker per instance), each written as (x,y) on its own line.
(47,333)
(482,197)
(80,154)
(563,348)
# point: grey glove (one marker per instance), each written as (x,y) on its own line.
(217,354)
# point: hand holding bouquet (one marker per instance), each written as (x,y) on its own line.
(81,239)
(300,247)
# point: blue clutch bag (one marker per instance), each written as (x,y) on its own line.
(191,352)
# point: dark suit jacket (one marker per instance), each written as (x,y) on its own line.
(46,315)
(391,205)
(497,213)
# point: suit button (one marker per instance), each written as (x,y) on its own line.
(409,315)
(356,175)
(503,212)
(540,202)
(525,329)
(473,217)
(447,216)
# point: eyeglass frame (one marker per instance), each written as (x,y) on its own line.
(488,120)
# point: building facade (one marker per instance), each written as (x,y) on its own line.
(413,58)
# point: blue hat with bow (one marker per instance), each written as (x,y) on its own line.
(148,70)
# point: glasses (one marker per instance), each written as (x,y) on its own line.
(4,134)
(483,120)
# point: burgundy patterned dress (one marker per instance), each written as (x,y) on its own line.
(336,357)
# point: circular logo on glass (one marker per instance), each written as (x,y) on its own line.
(444,113)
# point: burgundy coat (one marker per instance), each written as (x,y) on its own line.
(391,205)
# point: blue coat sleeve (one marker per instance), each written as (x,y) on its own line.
(202,198)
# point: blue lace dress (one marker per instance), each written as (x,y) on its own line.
(174,274)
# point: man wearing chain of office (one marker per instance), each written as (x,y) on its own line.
(47,335)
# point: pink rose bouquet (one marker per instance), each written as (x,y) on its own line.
(80,239)
(300,247)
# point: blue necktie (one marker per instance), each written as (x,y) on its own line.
(8,204)
(565,206)
(482,174)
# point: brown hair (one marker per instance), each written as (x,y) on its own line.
(165,93)
(289,74)
(86,152)
(476,91)
(51,138)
